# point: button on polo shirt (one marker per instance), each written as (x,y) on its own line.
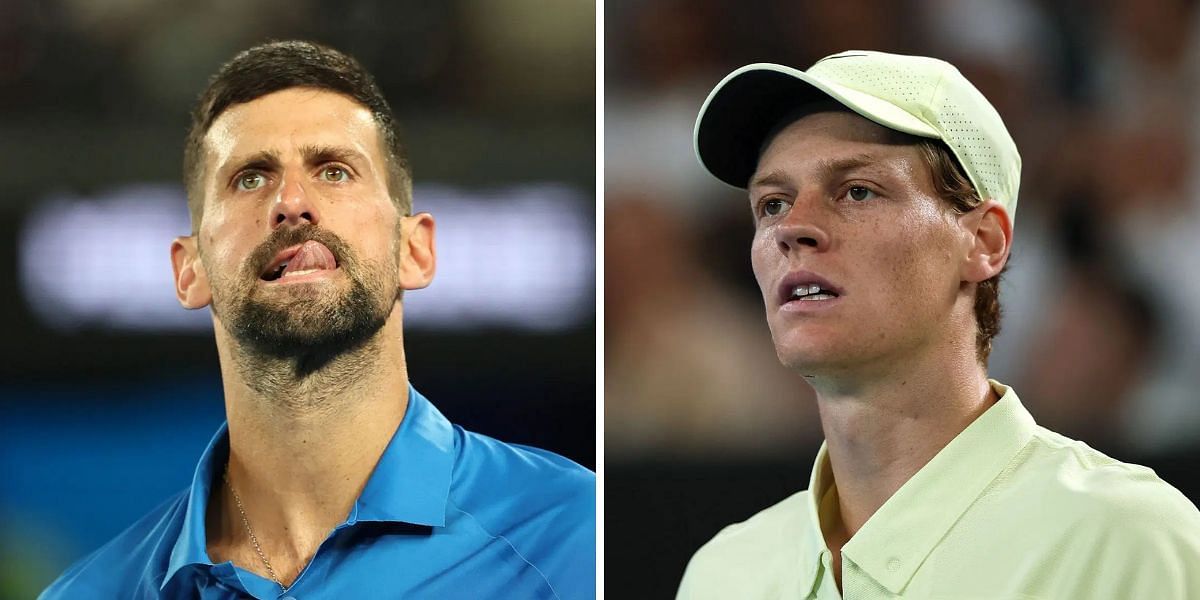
(446,514)
(1007,509)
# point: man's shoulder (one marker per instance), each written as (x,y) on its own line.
(535,483)
(770,525)
(135,559)
(1121,515)
(485,462)
(1095,485)
(542,505)
(755,554)
(1127,532)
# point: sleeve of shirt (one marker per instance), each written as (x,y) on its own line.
(571,567)
(1150,551)
(1162,562)
(561,541)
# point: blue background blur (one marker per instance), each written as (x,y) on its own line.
(106,402)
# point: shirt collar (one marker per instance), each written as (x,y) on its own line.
(190,547)
(410,484)
(895,541)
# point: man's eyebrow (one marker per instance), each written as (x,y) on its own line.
(837,166)
(826,169)
(263,160)
(317,155)
(775,177)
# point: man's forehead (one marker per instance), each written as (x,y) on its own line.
(288,120)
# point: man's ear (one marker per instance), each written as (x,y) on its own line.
(191,281)
(418,258)
(989,232)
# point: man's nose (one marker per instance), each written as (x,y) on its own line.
(293,205)
(802,227)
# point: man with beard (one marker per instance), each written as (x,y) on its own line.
(333,478)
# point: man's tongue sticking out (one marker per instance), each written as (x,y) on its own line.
(312,256)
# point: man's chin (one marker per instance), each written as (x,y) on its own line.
(294,329)
(328,315)
(293,339)
(810,360)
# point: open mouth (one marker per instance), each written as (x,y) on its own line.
(811,292)
(804,286)
(309,257)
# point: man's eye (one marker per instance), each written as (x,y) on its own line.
(773,207)
(334,174)
(250,181)
(859,193)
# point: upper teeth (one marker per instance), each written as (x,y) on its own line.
(804,290)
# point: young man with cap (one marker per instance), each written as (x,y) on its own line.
(334,477)
(884,189)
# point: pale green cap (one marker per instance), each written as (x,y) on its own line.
(918,95)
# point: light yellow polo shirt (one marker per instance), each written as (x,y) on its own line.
(1007,510)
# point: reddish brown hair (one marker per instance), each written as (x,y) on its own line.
(952,184)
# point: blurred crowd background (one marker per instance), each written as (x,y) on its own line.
(109,391)
(1101,327)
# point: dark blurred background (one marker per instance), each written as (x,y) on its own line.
(1101,331)
(109,391)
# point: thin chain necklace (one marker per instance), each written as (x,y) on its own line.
(253,539)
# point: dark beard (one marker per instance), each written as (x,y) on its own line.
(297,330)
(311,329)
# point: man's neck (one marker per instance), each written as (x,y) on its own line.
(301,454)
(879,433)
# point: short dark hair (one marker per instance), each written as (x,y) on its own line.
(277,66)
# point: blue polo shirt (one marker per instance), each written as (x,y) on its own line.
(446,514)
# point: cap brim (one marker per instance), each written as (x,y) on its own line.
(749,102)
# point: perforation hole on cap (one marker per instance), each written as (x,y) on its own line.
(912,86)
(885,81)
(962,134)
